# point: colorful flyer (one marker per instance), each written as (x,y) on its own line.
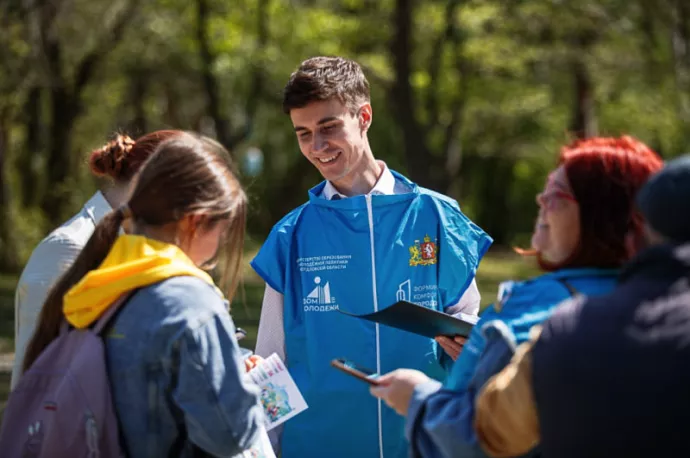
(280,397)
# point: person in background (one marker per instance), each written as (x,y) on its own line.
(116,163)
(366,238)
(608,375)
(174,365)
(586,211)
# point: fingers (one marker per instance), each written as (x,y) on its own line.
(451,346)
(378,391)
(461,340)
(385,381)
(385,393)
(251,362)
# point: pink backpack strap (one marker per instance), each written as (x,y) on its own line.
(112,310)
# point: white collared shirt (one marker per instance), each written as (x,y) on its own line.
(386,185)
(49,260)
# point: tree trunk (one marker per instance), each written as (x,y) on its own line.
(31,188)
(59,159)
(139,81)
(584,122)
(8,251)
(493,215)
(222,125)
(417,153)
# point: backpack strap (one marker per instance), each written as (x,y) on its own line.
(571,289)
(110,313)
(64,327)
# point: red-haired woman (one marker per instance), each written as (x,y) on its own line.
(586,230)
(116,163)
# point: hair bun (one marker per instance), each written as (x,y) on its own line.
(110,159)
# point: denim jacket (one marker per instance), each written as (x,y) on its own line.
(176,374)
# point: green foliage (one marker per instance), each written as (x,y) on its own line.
(492,82)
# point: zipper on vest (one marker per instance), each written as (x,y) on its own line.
(370,214)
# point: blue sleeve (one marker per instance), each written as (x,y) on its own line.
(461,246)
(464,368)
(220,405)
(271,262)
(440,421)
(460,371)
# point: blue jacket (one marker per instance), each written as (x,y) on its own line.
(440,419)
(362,254)
(176,375)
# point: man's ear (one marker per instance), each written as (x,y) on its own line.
(365,116)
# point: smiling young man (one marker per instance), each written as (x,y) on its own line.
(366,238)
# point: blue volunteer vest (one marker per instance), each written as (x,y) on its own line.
(524,304)
(362,254)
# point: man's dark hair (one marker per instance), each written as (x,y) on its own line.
(323,78)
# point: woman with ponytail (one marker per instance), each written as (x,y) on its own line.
(174,366)
(115,164)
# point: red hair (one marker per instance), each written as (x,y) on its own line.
(122,157)
(605,175)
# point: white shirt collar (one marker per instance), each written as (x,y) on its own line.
(384,186)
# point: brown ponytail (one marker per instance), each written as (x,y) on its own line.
(93,254)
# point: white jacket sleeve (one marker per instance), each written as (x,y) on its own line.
(468,303)
(49,260)
(271,335)
(271,339)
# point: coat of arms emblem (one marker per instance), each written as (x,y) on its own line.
(423,254)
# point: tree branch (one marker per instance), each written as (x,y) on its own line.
(48,46)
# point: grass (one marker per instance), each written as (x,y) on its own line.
(496,267)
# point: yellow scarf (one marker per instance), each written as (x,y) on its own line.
(134,261)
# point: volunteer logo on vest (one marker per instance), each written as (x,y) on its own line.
(424,295)
(423,254)
(320,299)
(404,292)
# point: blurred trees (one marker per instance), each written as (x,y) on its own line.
(471,97)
